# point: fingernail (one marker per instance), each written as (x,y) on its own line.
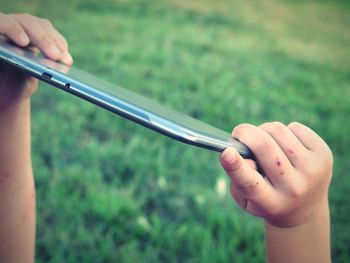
(23,38)
(55,51)
(67,58)
(229,157)
(234,132)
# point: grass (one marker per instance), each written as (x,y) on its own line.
(109,190)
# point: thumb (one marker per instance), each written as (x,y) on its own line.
(232,162)
(242,175)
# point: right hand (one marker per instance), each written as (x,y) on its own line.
(297,165)
(27,30)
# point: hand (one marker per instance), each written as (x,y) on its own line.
(297,167)
(27,30)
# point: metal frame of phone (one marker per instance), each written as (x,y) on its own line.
(53,73)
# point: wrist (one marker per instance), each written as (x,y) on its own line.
(319,213)
(301,241)
(16,89)
(301,215)
(11,110)
(14,125)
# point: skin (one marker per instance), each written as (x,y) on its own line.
(292,196)
(17,191)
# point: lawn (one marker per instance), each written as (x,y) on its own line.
(109,190)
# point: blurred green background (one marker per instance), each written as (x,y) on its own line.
(109,190)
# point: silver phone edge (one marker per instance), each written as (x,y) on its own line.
(146,119)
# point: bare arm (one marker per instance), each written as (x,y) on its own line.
(17,191)
(308,242)
(17,194)
(292,197)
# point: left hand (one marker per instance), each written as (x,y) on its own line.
(27,30)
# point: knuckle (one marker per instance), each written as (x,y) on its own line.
(262,143)
(248,187)
(277,127)
(25,16)
(293,125)
(239,129)
(22,18)
(46,22)
(45,40)
(61,44)
(298,190)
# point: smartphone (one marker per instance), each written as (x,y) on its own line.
(120,101)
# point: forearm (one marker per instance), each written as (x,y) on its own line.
(309,242)
(17,192)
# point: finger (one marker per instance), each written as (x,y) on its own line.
(251,164)
(58,39)
(310,139)
(54,34)
(270,157)
(251,191)
(287,141)
(13,31)
(238,197)
(256,206)
(248,181)
(39,37)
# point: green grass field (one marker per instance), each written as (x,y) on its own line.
(109,190)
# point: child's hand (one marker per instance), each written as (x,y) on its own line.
(25,30)
(297,167)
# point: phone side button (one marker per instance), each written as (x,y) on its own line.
(46,75)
